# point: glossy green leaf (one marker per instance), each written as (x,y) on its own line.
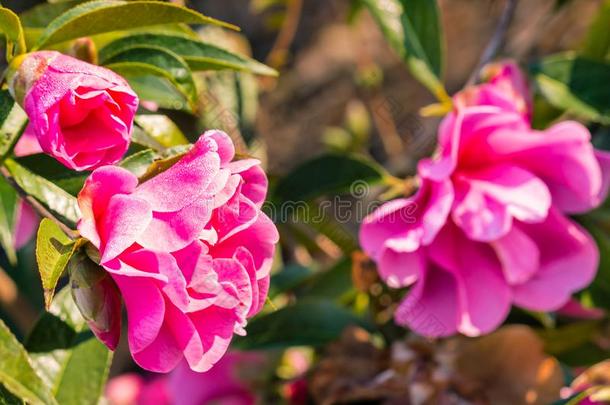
(17,373)
(139,162)
(12,123)
(54,198)
(10,25)
(573,83)
(49,168)
(41,15)
(597,43)
(163,130)
(413,28)
(68,357)
(326,174)
(53,251)
(229,102)
(159,90)
(309,322)
(156,61)
(102,16)
(8,212)
(199,55)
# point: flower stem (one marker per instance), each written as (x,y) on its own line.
(497,41)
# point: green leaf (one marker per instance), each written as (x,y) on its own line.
(8,212)
(573,83)
(12,123)
(68,357)
(49,168)
(16,371)
(288,279)
(41,15)
(156,61)
(102,16)
(139,162)
(12,29)
(163,130)
(413,28)
(54,198)
(53,251)
(7,398)
(597,43)
(326,174)
(309,322)
(160,91)
(199,55)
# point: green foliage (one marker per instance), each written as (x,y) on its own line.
(53,197)
(161,130)
(68,357)
(413,28)
(572,83)
(597,43)
(10,25)
(41,15)
(330,173)
(8,212)
(47,167)
(12,123)
(309,322)
(53,251)
(156,61)
(199,55)
(17,374)
(102,16)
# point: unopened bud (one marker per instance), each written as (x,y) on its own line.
(85,50)
(97,298)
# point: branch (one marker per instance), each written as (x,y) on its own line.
(497,41)
(38,207)
(277,55)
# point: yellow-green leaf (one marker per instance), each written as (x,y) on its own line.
(12,29)
(100,16)
(53,251)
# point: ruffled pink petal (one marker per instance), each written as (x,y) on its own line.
(125,219)
(144,321)
(518,254)
(181,184)
(568,262)
(93,199)
(603,158)
(430,308)
(488,199)
(561,156)
(215,326)
(172,231)
(28,143)
(409,222)
(484,297)
(400,269)
(226,150)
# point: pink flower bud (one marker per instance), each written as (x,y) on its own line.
(81,114)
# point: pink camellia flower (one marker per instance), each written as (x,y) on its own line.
(81,114)
(189,249)
(228,383)
(488,226)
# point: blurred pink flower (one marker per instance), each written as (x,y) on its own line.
(225,384)
(26,224)
(81,114)
(189,249)
(488,226)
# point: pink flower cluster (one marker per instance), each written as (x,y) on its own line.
(189,249)
(488,227)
